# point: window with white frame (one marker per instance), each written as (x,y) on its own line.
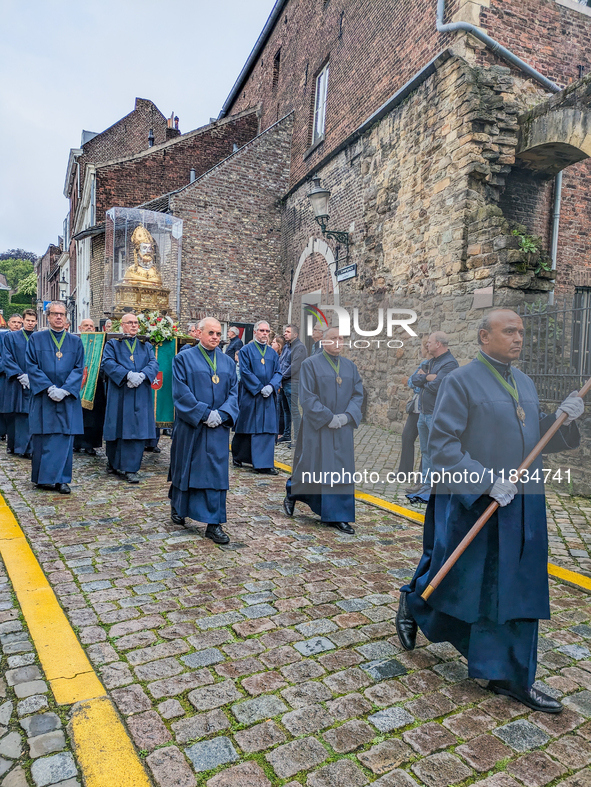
(320,104)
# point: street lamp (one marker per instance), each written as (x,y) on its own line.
(319,198)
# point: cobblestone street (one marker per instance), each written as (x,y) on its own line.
(274,661)
(33,744)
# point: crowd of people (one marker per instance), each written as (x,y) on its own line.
(476,422)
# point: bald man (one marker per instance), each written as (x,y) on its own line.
(130,366)
(94,419)
(486,420)
(205,393)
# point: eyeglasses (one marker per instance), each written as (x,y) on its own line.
(58,314)
(264,330)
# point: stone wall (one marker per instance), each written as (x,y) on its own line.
(421,194)
(231,265)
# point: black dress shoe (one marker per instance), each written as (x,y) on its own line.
(90,451)
(266,471)
(406,625)
(344,527)
(77,450)
(132,478)
(28,456)
(236,463)
(110,469)
(283,440)
(289,506)
(217,535)
(531,697)
(153,450)
(63,489)
(178,520)
(51,487)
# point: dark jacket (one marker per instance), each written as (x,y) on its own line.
(233,347)
(298,354)
(441,366)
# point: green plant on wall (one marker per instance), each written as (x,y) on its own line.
(531,247)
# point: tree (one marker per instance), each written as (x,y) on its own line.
(15,270)
(19,254)
(28,285)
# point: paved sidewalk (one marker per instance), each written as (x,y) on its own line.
(34,748)
(569,518)
(274,661)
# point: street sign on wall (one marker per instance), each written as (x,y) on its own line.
(348,272)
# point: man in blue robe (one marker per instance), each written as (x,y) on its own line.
(234,342)
(487,419)
(15,323)
(205,393)
(17,392)
(256,427)
(54,365)
(331,395)
(130,367)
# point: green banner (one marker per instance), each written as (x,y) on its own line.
(93,352)
(162,385)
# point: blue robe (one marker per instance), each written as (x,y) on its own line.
(3,335)
(257,425)
(199,453)
(129,413)
(321,450)
(16,398)
(489,603)
(53,424)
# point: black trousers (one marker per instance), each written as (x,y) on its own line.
(409,436)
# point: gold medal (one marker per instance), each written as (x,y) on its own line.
(339,379)
(521,414)
(215,379)
(131,358)
(263,361)
(59,354)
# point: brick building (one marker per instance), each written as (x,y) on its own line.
(140,157)
(47,270)
(420,125)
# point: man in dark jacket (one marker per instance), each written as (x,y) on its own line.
(291,377)
(235,343)
(487,419)
(428,381)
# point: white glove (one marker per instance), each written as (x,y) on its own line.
(503,492)
(57,394)
(267,390)
(343,418)
(24,380)
(335,423)
(134,379)
(573,406)
(213,419)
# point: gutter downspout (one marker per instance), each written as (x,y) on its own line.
(510,57)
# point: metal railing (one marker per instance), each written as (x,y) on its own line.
(557,347)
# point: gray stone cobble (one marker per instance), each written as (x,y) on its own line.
(281,648)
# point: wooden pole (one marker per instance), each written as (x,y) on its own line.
(483,518)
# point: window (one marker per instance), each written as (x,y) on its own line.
(320,105)
(276,68)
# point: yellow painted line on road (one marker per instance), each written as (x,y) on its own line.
(555,571)
(569,576)
(67,668)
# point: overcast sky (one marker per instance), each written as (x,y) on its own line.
(68,65)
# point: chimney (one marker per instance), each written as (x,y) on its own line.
(172,127)
(192,176)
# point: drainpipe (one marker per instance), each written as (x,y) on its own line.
(510,57)
(555,227)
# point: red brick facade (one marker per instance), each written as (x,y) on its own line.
(166,167)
